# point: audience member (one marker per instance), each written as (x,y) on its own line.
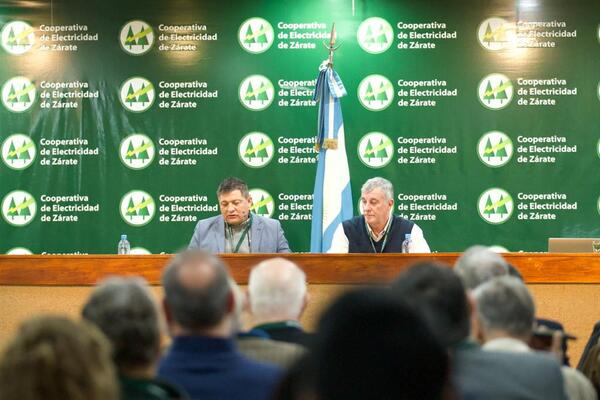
(54,358)
(203,359)
(278,296)
(506,312)
(124,310)
(478,264)
(372,346)
(438,294)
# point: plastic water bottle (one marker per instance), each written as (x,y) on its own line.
(406,243)
(124,247)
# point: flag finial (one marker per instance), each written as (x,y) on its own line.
(331,46)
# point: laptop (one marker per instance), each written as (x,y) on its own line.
(573,245)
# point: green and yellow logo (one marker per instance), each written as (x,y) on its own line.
(137,208)
(495,149)
(497,34)
(262,203)
(137,94)
(137,151)
(495,206)
(256,35)
(375,92)
(18,208)
(19,251)
(375,35)
(17,37)
(256,92)
(256,149)
(18,94)
(375,150)
(139,251)
(18,151)
(136,37)
(495,91)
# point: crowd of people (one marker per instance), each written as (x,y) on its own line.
(468,332)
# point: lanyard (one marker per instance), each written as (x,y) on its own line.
(244,234)
(385,236)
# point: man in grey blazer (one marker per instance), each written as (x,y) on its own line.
(237,230)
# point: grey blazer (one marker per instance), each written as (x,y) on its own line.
(266,235)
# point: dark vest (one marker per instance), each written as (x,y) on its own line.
(358,238)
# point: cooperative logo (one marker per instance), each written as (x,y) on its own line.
(18,151)
(598,205)
(495,206)
(598,91)
(136,151)
(17,37)
(19,251)
(18,94)
(495,149)
(375,35)
(495,91)
(496,34)
(136,37)
(598,148)
(18,208)
(140,251)
(256,35)
(256,149)
(375,92)
(137,94)
(375,150)
(137,208)
(256,92)
(262,203)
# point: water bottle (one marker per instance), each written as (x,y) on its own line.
(406,243)
(123,247)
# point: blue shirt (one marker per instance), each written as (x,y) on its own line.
(211,368)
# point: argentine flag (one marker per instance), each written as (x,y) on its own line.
(332,200)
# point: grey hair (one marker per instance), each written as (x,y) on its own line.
(125,311)
(197,307)
(505,304)
(277,287)
(478,265)
(379,183)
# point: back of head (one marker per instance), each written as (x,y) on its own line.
(125,312)
(372,346)
(197,291)
(478,264)
(438,294)
(56,358)
(277,289)
(504,304)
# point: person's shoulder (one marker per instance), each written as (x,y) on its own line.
(207,222)
(270,222)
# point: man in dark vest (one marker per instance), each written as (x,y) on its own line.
(378,230)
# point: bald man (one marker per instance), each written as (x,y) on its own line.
(277,297)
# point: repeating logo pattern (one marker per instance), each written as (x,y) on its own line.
(136,37)
(256,35)
(495,91)
(256,92)
(375,35)
(496,34)
(262,203)
(18,94)
(375,92)
(137,94)
(18,208)
(137,208)
(495,149)
(18,151)
(256,149)
(375,150)
(137,151)
(495,206)
(17,37)
(19,251)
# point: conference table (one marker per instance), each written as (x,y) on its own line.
(566,287)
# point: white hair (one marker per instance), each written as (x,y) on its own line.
(478,265)
(379,183)
(277,287)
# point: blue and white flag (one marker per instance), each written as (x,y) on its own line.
(332,200)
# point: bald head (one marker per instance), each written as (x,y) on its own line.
(197,292)
(277,290)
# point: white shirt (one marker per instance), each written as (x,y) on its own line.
(418,244)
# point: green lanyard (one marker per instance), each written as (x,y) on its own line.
(385,237)
(244,234)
